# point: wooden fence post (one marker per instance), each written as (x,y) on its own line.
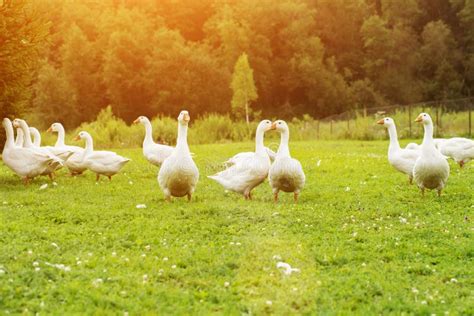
(330,128)
(409,119)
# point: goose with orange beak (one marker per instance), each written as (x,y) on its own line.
(431,170)
(286,173)
(179,175)
(153,152)
(250,169)
(106,163)
(402,159)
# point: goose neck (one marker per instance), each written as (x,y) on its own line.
(89,146)
(26,135)
(392,134)
(148,132)
(428,143)
(283,149)
(60,140)
(9,133)
(19,137)
(182,141)
(259,146)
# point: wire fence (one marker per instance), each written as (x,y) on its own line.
(450,117)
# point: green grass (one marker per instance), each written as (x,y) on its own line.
(365,241)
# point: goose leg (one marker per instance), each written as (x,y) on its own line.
(422,191)
(97,177)
(461,164)
(110,178)
(410,178)
(189,197)
(51,176)
(26,181)
(275,196)
(296,194)
(439,192)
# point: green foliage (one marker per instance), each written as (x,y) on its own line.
(365,241)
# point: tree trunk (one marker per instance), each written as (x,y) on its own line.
(247,113)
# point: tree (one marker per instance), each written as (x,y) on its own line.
(243,87)
(22,33)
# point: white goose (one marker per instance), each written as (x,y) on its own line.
(178,174)
(286,173)
(36,136)
(458,148)
(105,163)
(248,171)
(27,143)
(402,159)
(431,170)
(153,152)
(74,162)
(25,162)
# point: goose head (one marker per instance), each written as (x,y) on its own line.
(141,119)
(82,135)
(184,118)
(7,124)
(55,127)
(424,118)
(264,126)
(386,121)
(280,126)
(17,123)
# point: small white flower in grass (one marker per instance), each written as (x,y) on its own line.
(55,184)
(363,264)
(55,245)
(97,282)
(403,220)
(147,247)
(424,302)
(415,290)
(287,269)
(143,255)
(269,303)
(123,293)
(453,280)
(238,244)
(165,259)
(125,313)
(140,206)
(79,262)
(5,202)
(35,263)
(126,259)
(173,266)
(30,252)
(37,269)
(145,278)
(347,189)
(2,272)
(276,257)
(295,289)
(130,182)
(114,254)
(354,234)
(90,254)
(43,186)
(318,163)
(226,284)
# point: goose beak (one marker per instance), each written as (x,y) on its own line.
(136,121)
(77,138)
(419,119)
(49,130)
(274,126)
(380,122)
(186,118)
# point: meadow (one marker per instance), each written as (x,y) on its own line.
(363,239)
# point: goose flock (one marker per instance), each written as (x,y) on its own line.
(426,164)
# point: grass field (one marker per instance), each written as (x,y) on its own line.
(365,241)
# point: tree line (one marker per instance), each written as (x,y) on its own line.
(67,60)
